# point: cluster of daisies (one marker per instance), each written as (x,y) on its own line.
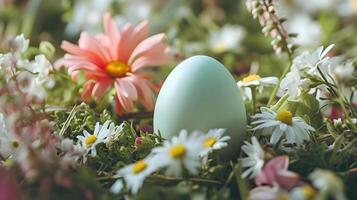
(184,152)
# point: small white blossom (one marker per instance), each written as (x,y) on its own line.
(19,44)
(254,80)
(214,140)
(306,63)
(135,174)
(328,183)
(226,39)
(10,146)
(255,160)
(87,16)
(100,135)
(303,193)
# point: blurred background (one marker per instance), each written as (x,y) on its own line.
(223,29)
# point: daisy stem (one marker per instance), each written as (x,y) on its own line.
(254,90)
(174,180)
(242,184)
(280,102)
(275,90)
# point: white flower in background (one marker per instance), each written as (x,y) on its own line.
(295,129)
(182,151)
(214,140)
(9,61)
(66,145)
(343,71)
(134,11)
(135,174)
(255,160)
(10,146)
(291,82)
(306,36)
(303,193)
(328,184)
(19,44)
(87,16)
(30,84)
(254,80)
(42,67)
(304,64)
(100,135)
(309,61)
(226,39)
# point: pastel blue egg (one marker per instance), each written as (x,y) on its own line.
(201,94)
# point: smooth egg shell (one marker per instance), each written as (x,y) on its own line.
(201,94)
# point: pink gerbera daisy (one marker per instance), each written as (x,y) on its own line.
(114,59)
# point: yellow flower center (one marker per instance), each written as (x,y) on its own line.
(219,47)
(117,69)
(251,77)
(178,151)
(285,116)
(309,192)
(209,142)
(283,197)
(90,140)
(15,144)
(139,166)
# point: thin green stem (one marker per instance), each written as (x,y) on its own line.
(254,91)
(281,101)
(326,82)
(275,90)
(174,180)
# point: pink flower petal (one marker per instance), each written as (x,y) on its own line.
(144,91)
(127,88)
(146,45)
(151,61)
(87,91)
(87,41)
(125,102)
(113,34)
(100,88)
(287,179)
(87,54)
(123,51)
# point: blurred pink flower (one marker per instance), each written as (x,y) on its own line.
(276,171)
(115,58)
(9,187)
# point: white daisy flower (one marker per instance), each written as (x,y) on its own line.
(87,16)
(10,145)
(182,151)
(303,193)
(295,129)
(42,67)
(100,135)
(213,140)
(306,63)
(226,39)
(19,44)
(328,184)
(135,174)
(256,81)
(255,160)
(114,134)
